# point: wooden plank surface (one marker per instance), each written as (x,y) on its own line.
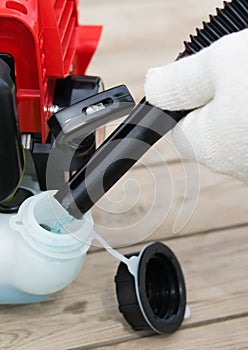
(218,336)
(86,315)
(158,203)
(212,244)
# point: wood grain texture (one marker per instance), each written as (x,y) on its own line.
(227,335)
(168,201)
(86,315)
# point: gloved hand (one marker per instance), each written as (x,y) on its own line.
(214,82)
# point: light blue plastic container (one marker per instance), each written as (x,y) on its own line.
(34,262)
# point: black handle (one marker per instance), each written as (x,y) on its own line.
(72,124)
(145,126)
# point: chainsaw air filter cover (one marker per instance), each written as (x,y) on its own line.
(155,298)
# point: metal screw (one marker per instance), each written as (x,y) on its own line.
(52,109)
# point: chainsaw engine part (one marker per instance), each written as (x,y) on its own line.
(73,89)
(71,125)
(11,155)
(46,42)
(59,51)
(69,90)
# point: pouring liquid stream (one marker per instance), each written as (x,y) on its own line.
(61,224)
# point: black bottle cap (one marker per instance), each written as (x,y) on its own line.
(155,299)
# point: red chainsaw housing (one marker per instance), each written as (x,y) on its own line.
(46,42)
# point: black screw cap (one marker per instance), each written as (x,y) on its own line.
(156,298)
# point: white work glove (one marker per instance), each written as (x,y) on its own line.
(214,82)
